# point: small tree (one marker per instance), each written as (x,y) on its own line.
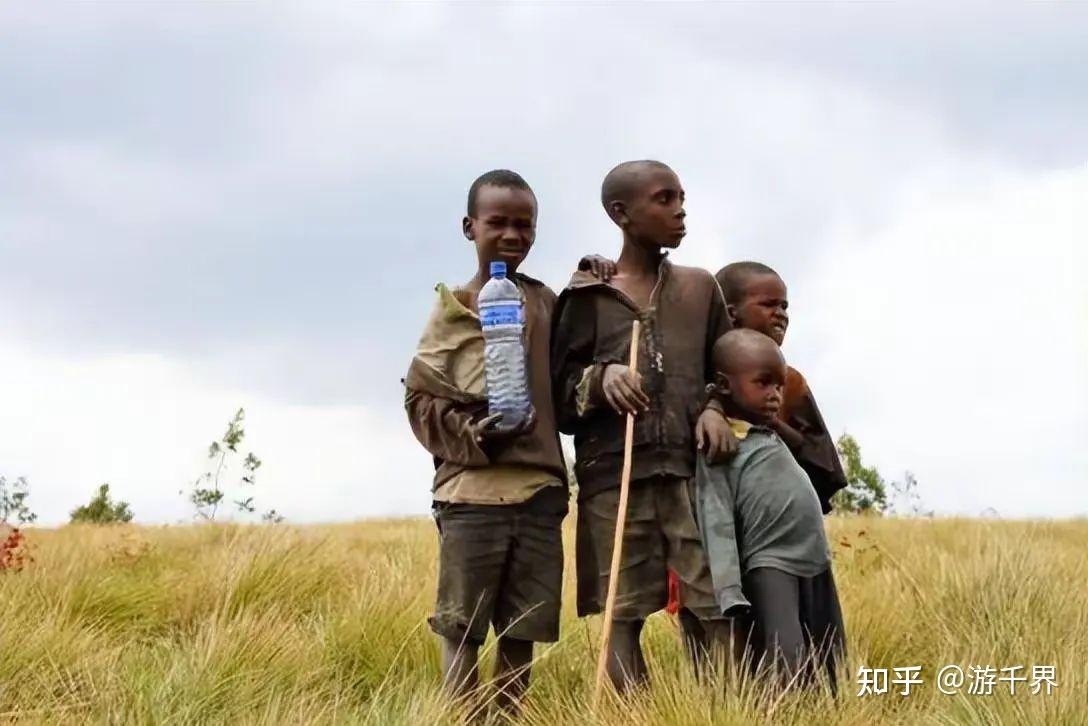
(13,501)
(208,493)
(102,510)
(905,498)
(865,489)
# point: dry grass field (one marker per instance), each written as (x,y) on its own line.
(326,624)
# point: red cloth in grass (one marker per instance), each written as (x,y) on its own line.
(673,605)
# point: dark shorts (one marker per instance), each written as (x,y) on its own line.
(661,534)
(500,565)
(795,624)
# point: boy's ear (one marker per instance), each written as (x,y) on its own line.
(617,210)
(731,311)
(467,230)
(721,384)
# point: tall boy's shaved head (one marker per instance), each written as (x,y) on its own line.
(620,183)
(495,178)
(734,277)
(740,349)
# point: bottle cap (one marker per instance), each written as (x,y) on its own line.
(498,269)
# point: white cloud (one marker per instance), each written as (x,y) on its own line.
(953,341)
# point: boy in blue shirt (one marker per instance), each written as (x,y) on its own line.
(762,525)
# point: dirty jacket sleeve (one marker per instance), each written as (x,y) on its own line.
(442,417)
(718,324)
(715,506)
(576,371)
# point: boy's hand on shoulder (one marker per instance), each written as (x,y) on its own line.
(485,431)
(714,437)
(600,267)
(622,388)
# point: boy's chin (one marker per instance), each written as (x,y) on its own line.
(758,418)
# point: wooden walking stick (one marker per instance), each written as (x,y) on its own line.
(621,520)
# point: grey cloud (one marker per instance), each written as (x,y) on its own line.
(207,181)
(263,195)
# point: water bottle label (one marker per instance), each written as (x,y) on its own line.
(500,315)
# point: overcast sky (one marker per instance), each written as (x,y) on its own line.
(206,206)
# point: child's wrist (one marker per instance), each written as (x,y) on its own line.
(714,401)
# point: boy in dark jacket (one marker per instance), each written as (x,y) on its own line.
(682,312)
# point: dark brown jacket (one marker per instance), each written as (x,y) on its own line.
(817,454)
(593,328)
(441,415)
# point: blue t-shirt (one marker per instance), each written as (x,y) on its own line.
(758,510)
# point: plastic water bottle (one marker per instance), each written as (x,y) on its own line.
(502,316)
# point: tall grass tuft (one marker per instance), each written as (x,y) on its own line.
(220,623)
